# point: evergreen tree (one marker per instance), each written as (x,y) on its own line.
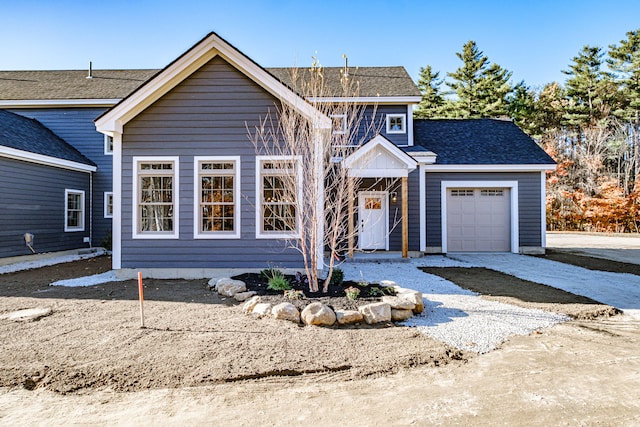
(481,88)
(432,101)
(522,108)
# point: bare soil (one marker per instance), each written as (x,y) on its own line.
(201,362)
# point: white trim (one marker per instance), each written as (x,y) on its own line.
(513,191)
(423,208)
(175,233)
(68,191)
(41,159)
(197,192)
(28,103)
(116,221)
(106,204)
(410,125)
(490,168)
(106,145)
(385,203)
(269,234)
(210,47)
(379,100)
(403,130)
(543,209)
(360,154)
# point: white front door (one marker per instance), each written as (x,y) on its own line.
(373,217)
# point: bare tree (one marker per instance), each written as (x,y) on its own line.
(314,187)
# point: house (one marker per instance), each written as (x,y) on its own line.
(474,185)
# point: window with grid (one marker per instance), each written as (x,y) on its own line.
(156,197)
(74,210)
(218,201)
(279,192)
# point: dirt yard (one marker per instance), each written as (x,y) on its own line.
(199,356)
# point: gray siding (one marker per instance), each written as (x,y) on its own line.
(206,115)
(75,125)
(529,208)
(33,200)
(377,123)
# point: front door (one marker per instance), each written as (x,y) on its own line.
(373,216)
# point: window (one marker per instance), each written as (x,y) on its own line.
(492,192)
(462,193)
(108,144)
(108,204)
(396,123)
(156,197)
(74,210)
(279,189)
(217,205)
(339,123)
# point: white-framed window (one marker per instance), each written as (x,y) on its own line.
(74,210)
(396,123)
(155,197)
(108,144)
(279,192)
(108,204)
(217,197)
(338,123)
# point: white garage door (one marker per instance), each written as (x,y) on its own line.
(478,220)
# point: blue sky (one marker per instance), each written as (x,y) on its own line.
(534,39)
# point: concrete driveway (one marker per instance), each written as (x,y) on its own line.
(616,247)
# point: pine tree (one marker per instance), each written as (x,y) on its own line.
(432,101)
(481,88)
(522,108)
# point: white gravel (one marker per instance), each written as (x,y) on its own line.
(454,315)
(38,262)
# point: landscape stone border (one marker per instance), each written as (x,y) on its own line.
(397,308)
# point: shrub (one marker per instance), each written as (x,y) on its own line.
(352,293)
(337,277)
(277,281)
(268,273)
(374,291)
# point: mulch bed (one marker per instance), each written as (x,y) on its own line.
(335,297)
(591,263)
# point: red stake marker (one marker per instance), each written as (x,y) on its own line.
(141,297)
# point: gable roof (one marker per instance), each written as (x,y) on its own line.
(211,46)
(70,84)
(479,142)
(21,134)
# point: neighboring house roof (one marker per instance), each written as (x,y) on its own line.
(478,142)
(372,81)
(24,134)
(70,84)
(117,84)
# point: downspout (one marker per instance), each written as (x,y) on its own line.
(90,209)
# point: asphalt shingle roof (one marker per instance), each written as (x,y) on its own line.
(117,84)
(70,84)
(22,133)
(479,142)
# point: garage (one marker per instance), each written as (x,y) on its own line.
(478,219)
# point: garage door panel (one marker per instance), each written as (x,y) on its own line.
(478,220)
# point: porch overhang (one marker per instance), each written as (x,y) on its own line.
(379,158)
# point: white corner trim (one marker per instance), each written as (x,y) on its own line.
(65,103)
(135,222)
(543,209)
(490,168)
(116,221)
(197,233)
(41,159)
(513,191)
(410,125)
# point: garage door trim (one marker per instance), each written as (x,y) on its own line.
(511,185)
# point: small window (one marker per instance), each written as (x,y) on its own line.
(339,123)
(74,210)
(492,192)
(108,204)
(396,123)
(218,202)
(279,191)
(108,144)
(461,193)
(156,197)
